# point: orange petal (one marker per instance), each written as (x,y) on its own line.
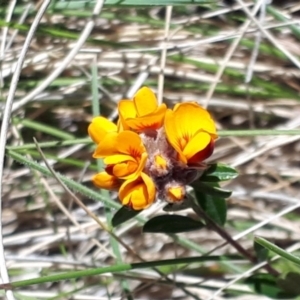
(145,101)
(121,126)
(125,166)
(107,146)
(151,121)
(183,124)
(203,154)
(117,158)
(138,193)
(173,134)
(126,110)
(141,166)
(99,127)
(129,142)
(196,144)
(125,142)
(105,181)
(124,169)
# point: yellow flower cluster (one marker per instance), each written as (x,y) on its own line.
(152,152)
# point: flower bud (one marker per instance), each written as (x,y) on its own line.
(175,192)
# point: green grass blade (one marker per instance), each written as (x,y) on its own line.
(115,269)
(278,250)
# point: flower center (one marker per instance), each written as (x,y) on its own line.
(160,162)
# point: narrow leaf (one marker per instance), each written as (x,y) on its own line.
(172,224)
(219,172)
(211,189)
(123,214)
(214,207)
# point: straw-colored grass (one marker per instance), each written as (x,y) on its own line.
(244,69)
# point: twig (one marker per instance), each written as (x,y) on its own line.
(214,226)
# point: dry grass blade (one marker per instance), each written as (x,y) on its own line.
(5,125)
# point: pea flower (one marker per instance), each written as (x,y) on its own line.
(153,152)
(190,131)
(123,153)
(138,193)
(143,113)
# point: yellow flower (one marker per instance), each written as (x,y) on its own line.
(143,113)
(138,193)
(99,127)
(152,150)
(123,153)
(103,180)
(190,131)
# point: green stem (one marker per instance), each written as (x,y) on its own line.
(114,269)
(258,132)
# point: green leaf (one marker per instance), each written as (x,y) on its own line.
(214,207)
(123,214)
(172,224)
(219,172)
(211,189)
